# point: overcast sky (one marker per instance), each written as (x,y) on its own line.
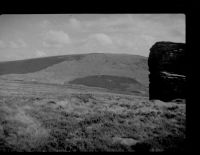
(30,36)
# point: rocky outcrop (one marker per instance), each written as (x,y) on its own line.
(167,67)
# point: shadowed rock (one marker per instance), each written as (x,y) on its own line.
(167,66)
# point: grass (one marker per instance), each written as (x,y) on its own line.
(90,121)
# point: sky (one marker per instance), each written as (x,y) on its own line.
(24,36)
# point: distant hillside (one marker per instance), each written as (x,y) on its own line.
(33,65)
(82,69)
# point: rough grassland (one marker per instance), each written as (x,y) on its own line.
(64,120)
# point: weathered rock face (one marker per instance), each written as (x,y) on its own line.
(167,66)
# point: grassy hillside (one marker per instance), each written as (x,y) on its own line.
(33,65)
(66,68)
(120,71)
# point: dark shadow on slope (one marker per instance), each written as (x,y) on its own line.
(109,82)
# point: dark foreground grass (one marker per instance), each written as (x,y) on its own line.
(90,122)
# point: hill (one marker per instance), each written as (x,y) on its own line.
(130,71)
(33,65)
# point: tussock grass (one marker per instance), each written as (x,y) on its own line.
(90,122)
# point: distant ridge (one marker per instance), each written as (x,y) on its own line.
(35,64)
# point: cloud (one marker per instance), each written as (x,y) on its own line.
(102,38)
(40,53)
(125,33)
(2,44)
(74,23)
(110,23)
(21,43)
(17,44)
(156,25)
(133,44)
(13,44)
(178,34)
(45,23)
(56,39)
